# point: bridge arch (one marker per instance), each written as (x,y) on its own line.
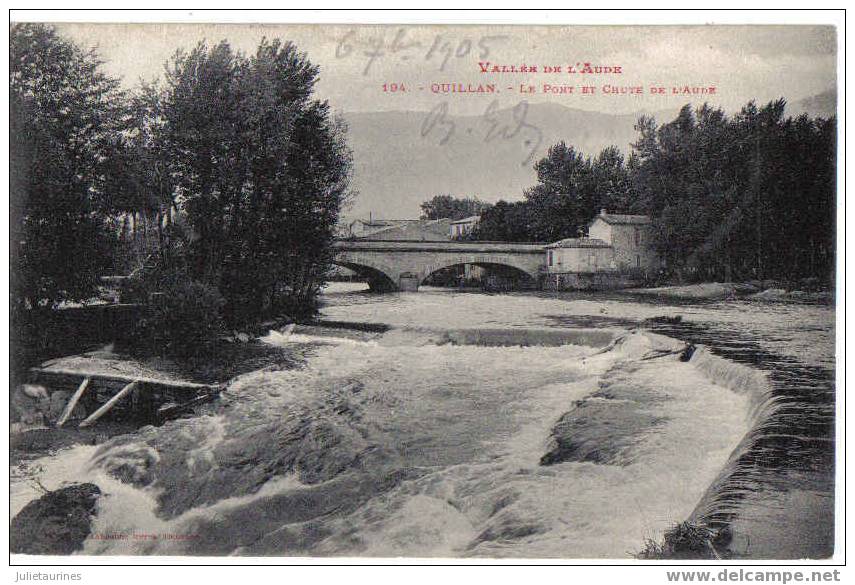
(379,278)
(497,275)
(498,263)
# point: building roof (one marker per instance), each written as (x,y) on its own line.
(423,229)
(382,222)
(579,243)
(614,218)
(470,219)
(372,226)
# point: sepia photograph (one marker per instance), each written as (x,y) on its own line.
(460,292)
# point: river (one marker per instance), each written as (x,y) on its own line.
(480,425)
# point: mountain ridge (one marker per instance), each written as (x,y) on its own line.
(405,157)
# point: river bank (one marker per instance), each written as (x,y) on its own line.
(769,291)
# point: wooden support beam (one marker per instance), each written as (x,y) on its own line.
(72,402)
(166,412)
(123,378)
(109,404)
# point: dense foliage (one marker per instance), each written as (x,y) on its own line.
(66,118)
(748,196)
(183,317)
(571,188)
(239,174)
(454,208)
(751,196)
(262,171)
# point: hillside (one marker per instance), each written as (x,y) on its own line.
(396,168)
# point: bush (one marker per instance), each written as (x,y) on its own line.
(688,540)
(182,318)
(155,270)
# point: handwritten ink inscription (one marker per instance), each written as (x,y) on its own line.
(492,125)
(440,51)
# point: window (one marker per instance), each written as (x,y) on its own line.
(637,261)
(549,257)
(637,237)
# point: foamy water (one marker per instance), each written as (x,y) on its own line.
(404,444)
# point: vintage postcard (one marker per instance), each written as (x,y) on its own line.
(424,291)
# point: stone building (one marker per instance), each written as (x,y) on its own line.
(463,227)
(629,237)
(580,255)
(616,253)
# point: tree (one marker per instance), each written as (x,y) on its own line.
(561,202)
(454,208)
(65,118)
(505,222)
(612,185)
(751,196)
(571,189)
(141,182)
(262,171)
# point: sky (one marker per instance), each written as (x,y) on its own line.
(740,62)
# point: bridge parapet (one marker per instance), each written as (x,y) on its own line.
(457,246)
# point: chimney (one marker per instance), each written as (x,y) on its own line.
(603,211)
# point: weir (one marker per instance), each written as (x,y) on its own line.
(738,500)
(774,497)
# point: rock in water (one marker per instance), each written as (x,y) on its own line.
(55,524)
(35,391)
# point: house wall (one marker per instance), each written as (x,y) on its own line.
(632,248)
(580,260)
(600,230)
(461,229)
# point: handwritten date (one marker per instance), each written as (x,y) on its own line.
(441,50)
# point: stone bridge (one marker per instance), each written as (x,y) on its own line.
(393,265)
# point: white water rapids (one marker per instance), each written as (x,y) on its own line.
(401,444)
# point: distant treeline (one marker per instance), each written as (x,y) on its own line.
(749,196)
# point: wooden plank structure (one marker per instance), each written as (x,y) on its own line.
(90,420)
(72,402)
(145,399)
